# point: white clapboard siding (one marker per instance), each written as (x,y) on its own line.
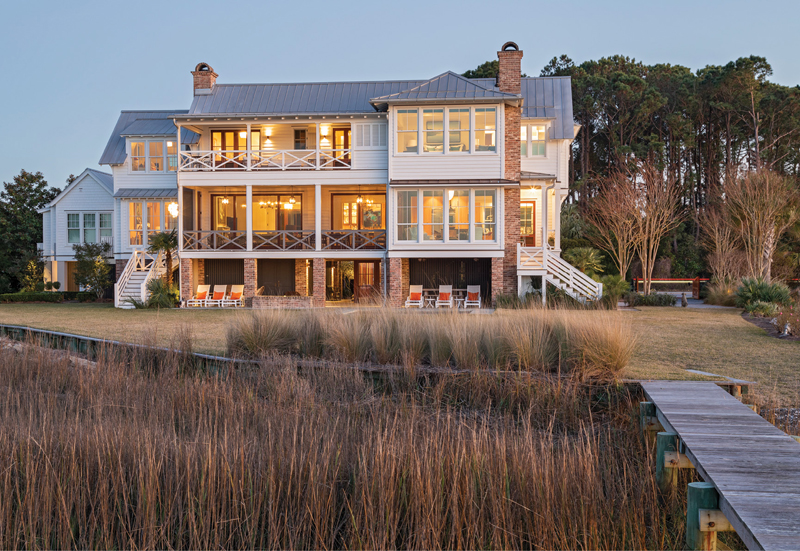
(124,178)
(87,196)
(446,167)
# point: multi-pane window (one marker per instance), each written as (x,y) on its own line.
(538,140)
(407,215)
(406,130)
(105,226)
(485,215)
(432,215)
(73,228)
(153,218)
(299,138)
(135,224)
(170,219)
(138,158)
(523,141)
(458,215)
(485,129)
(433,130)
(89,228)
(526,222)
(149,156)
(458,129)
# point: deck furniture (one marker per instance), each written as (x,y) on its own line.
(473,297)
(199,299)
(415,297)
(217,296)
(235,299)
(445,298)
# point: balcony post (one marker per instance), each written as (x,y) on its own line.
(249,215)
(544,216)
(316,134)
(178,148)
(318,213)
(249,156)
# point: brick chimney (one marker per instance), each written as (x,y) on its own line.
(204,78)
(509,80)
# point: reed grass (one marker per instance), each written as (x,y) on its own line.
(126,456)
(590,344)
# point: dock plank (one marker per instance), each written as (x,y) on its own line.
(754,466)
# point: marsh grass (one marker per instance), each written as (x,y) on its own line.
(591,344)
(127,456)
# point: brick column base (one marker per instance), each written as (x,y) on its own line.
(301,277)
(120,264)
(497,278)
(318,281)
(395,276)
(187,277)
(250,280)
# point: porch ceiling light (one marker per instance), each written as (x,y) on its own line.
(242,134)
(288,206)
(169,144)
(172,208)
(292,200)
(224,200)
(360,199)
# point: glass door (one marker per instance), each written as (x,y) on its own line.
(367,282)
(527,224)
(341,143)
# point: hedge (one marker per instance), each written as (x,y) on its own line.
(31,297)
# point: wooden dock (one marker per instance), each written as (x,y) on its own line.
(753,465)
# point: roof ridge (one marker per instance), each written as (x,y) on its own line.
(318,82)
(100,171)
(153,110)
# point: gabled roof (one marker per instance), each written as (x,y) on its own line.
(142,123)
(447,86)
(105,180)
(295,99)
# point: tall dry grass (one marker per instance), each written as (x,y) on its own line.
(124,457)
(590,344)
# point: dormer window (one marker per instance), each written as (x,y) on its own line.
(406,130)
(433,131)
(446,130)
(458,129)
(533,140)
(154,156)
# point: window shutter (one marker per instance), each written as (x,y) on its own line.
(359,135)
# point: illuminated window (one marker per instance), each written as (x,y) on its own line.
(138,157)
(458,215)
(538,140)
(407,215)
(153,218)
(432,215)
(433,130)
(458,129)
(407,131)
(156,156)
(135,223)
(485,215)
(485,129)
(172,156)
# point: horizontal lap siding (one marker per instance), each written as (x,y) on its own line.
(443,167)
(123,178)
(88,196)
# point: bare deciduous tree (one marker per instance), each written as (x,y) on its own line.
(719,239)
(658,211)
(761,206)
(612,212)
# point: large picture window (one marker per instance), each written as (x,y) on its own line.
(83,227)
(433,130)
(458,129)
(450,215)
(451,131)
(135,224)
(154,156)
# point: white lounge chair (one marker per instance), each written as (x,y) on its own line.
(218,296)
(415,297)
(235,299)
(199,299)
(445,297)
(473,297)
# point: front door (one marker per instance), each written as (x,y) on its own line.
(341,145)
(367,280)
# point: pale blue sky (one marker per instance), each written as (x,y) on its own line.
(69,67)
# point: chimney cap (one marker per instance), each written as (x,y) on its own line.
(203,67)
(510,46)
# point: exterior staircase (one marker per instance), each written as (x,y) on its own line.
(547,263)
(139,271)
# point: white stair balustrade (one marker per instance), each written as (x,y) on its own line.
(142,268)
(547,263)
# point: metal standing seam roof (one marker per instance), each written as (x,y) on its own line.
(145,123)
(103,177)
(146,193)
(446,86)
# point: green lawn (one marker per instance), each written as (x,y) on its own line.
(670,339)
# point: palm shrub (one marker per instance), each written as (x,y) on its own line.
(757,289)
(614,286)
(762,309)
(167,242)
(162,295)
(587,259)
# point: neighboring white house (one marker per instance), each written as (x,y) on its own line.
(320,193)
(82,213)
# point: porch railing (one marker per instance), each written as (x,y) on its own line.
(354,240)
(284,240)
(200,240)
(284,159)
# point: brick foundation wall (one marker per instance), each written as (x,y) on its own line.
(283,302)
(406,278)
(497,277)
(187,284)
(201,271)
(300,277)
(396,298)
(120,265)
(511,238)
(250,280)
(318,271)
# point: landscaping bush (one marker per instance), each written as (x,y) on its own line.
(758,290)
(762,309)
(721,293)
(614,287)
(789,319)
(84,296)
(653,299)
(31,297)
(162,295)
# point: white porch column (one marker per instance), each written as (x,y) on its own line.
(178,148)
(558,202)
(249,156)
(249,215)
(544,216)
(318,212)
(316,134)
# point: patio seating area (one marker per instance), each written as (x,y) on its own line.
(444,297)
(219,298)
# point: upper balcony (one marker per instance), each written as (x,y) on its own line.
(264,159)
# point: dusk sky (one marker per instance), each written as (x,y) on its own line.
(69,68)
